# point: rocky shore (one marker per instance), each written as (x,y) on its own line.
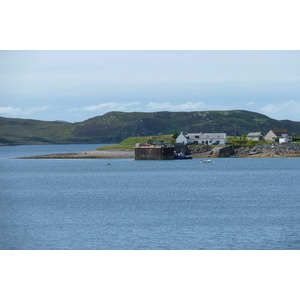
(200,151)
(270,150)
(260,150)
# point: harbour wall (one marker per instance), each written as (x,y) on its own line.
(153,152)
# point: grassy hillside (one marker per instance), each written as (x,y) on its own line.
(117,126)
(22,131)
(129,143)
(114,127)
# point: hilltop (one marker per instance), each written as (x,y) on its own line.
(113,127)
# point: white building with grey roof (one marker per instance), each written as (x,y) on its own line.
(202,138)
(255,136)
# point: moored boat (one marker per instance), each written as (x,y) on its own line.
(205,161)
(182,156)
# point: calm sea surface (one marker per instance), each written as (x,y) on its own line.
(182,204)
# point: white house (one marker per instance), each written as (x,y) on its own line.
(202,138)
(283,136)
(285,139)
(255,136)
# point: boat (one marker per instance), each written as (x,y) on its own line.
(205,161)
(182,156)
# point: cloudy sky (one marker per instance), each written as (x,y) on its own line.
(77,85)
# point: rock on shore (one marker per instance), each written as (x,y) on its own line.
(260,150)
(270,150)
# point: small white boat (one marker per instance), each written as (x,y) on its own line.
(205,161)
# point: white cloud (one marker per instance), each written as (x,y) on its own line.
(35,109)
(271,108)
(287,110)
(14,111)
(250,103)
(109,106)
(188,106)
(9,110)
(138,106)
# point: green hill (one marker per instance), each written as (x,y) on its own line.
(26,131)
(113,127)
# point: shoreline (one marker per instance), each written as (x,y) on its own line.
(119,154)
(93,154)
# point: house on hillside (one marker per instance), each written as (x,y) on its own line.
(283,136)
(255,136)
(202,138)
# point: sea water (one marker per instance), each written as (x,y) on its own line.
(230,203)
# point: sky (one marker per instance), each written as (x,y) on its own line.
(76,85)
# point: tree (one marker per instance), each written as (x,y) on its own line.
(175,135)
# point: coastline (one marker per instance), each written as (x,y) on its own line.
(258,151)
(239,155)
(119,154)
(94,154)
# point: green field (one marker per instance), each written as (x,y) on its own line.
(129,143)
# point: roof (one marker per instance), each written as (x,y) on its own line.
(280,132)
(206,135)
(254,134)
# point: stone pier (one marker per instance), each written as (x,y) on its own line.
(153,152)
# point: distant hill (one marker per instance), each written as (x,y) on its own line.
(26,131)
(113,127)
